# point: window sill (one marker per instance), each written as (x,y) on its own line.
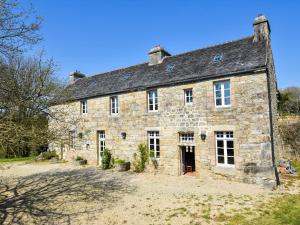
(226,166)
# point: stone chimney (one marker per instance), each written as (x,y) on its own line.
(74,76)
(261,28)
(157,54)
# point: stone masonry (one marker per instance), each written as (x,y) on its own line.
(248,118)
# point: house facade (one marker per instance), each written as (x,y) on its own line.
(209,111)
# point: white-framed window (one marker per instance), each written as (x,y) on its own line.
(186,137)
(222,93)
(188,96)
(84,107)
(153,144)
(101,141)
(114,105)
(225,148)
(72,139)
(152,101)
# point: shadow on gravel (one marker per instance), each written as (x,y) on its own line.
(51,198)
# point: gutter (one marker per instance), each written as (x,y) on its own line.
(271,129)
(172,83)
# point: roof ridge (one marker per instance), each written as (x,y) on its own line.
(168,57)
(211,46)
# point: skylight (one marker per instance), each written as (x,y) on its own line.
(218,58)
(170,67)
(126,76)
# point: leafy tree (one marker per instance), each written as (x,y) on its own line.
(289,101)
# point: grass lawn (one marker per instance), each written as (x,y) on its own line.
(30,158)
(280,211)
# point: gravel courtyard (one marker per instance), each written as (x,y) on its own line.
(44,193)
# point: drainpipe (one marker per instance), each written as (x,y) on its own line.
(271,129)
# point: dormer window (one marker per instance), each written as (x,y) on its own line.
(84,108)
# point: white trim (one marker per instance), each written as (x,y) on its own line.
(188,96)
(222,94)
(114,105)
(155,137)
(83,107)
(154,100)
(224,139)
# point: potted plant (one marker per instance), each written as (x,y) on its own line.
(122,165)
(80,161)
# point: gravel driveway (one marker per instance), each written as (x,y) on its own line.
(43,193)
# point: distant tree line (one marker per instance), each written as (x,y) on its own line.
(289,101)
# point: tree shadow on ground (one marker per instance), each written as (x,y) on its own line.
(59,197)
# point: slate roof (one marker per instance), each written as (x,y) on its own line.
(237,57)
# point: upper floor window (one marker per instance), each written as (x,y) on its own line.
(84,108)
(225,149)
(152,101)
(153,144)
(114,105)
(222,93)
(188,96)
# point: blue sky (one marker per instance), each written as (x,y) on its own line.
(97,36)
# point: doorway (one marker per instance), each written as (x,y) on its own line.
(188,164)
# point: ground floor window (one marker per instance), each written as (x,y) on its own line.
(225,148)
(101,141)
(153,144)
(72,139)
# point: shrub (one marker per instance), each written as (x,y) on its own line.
(118,161)
(49,155)
(78,158)
(140,158)
(106,159)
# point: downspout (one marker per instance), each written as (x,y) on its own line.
(271,129)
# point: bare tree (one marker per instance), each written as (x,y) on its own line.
(27,86)
(18,27)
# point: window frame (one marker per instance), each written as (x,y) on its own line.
(222,90)
(101,142)
(225,148)
(84,106)
(156,146)
(190,97)
(114,105)
(186,138)
(72,137)
(154,98)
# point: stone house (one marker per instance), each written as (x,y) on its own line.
(209,111)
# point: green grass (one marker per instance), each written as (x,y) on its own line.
(280,211)
(27,159)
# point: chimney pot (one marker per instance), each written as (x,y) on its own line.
(262,28)
(157,54)
(74,76)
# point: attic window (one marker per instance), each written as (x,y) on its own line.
(218,58)
(127,76)
(170,67)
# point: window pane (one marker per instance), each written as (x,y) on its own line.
(157,141)
(218,101)
(227,101)
(156,106)
(220,159)
(227,84)
(220,144)
(151,141)
(227,93)
(157,154)
(230,160)
(218,94)
(230,152)
(218,86)
(220,151)
(229,144)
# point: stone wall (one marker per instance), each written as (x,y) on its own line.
(248,118)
